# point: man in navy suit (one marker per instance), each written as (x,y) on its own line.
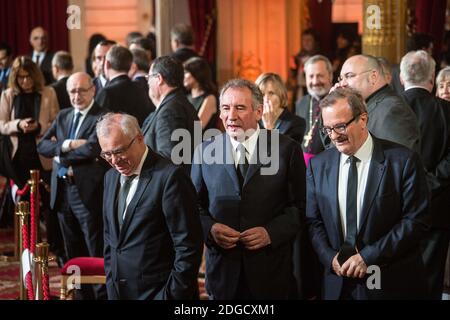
(121,94)
(173,109)
(77,176)
(252,199)
(153,236)
(41,55)
(78,170)
(366,199)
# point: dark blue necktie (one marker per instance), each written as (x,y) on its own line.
(62,171)
(348,248)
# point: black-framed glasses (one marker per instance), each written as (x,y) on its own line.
(340,128)
(118,153)
(350,75)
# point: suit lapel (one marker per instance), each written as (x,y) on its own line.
(87,120)
(112,205)
(228,160)
(376,173)
(255,161)
(144,180)
(332,178)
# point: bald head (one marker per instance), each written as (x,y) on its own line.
(81,90)
(362,73)
(39,39)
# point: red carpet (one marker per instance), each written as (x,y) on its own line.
(9,272)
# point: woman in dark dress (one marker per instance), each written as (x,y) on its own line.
(275,112)
(27,110)
(202,91)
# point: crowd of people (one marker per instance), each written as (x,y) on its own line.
(279,204)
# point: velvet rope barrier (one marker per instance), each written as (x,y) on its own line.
(28,277)
(33,223)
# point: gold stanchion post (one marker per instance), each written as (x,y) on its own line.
(23,212)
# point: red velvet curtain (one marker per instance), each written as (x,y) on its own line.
(430,15)
(19,17)
(320,13)
(203,12)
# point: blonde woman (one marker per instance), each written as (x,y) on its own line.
(27,110)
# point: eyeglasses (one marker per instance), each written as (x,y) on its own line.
(340,128)
(81,91)
(118,153)
(350,75)
(22,78)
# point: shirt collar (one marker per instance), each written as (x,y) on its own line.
(86,110)
(364,153)
(249,143)
(141,164)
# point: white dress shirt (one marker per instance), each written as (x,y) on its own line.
(65,146)
(41,57)
(364,154)
(134,183)
(249,144)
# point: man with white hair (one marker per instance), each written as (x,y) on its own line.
(319,75)
(417,70)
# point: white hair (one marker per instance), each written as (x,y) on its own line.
(417,67)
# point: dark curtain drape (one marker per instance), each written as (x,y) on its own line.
(320,13)
(19,17)
(201,11)
(430,16)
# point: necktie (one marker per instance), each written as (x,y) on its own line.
(242,166)
(348,248)
(38,56)
(62,171)
(122,198)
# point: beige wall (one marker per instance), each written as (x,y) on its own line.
(256,36)
(112,18)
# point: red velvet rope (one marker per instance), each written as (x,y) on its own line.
(45,286)
(33,223)
(24,190)
(28,278)
(30,286)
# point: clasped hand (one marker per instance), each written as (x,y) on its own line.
(252,239)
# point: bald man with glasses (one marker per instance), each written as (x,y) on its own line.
(78,170)
(390,117)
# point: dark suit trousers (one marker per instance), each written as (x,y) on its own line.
(81,229)
(434,254)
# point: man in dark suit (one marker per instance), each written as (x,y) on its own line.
(182,42)
(139,70)
(121,94)
(98,64)
(417,70)
(6,59)
(173,110)
(249,237)
(319,75)
(390,117)
(366,200)
(62,67)
(40,55)
(77,176)
(153,237)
